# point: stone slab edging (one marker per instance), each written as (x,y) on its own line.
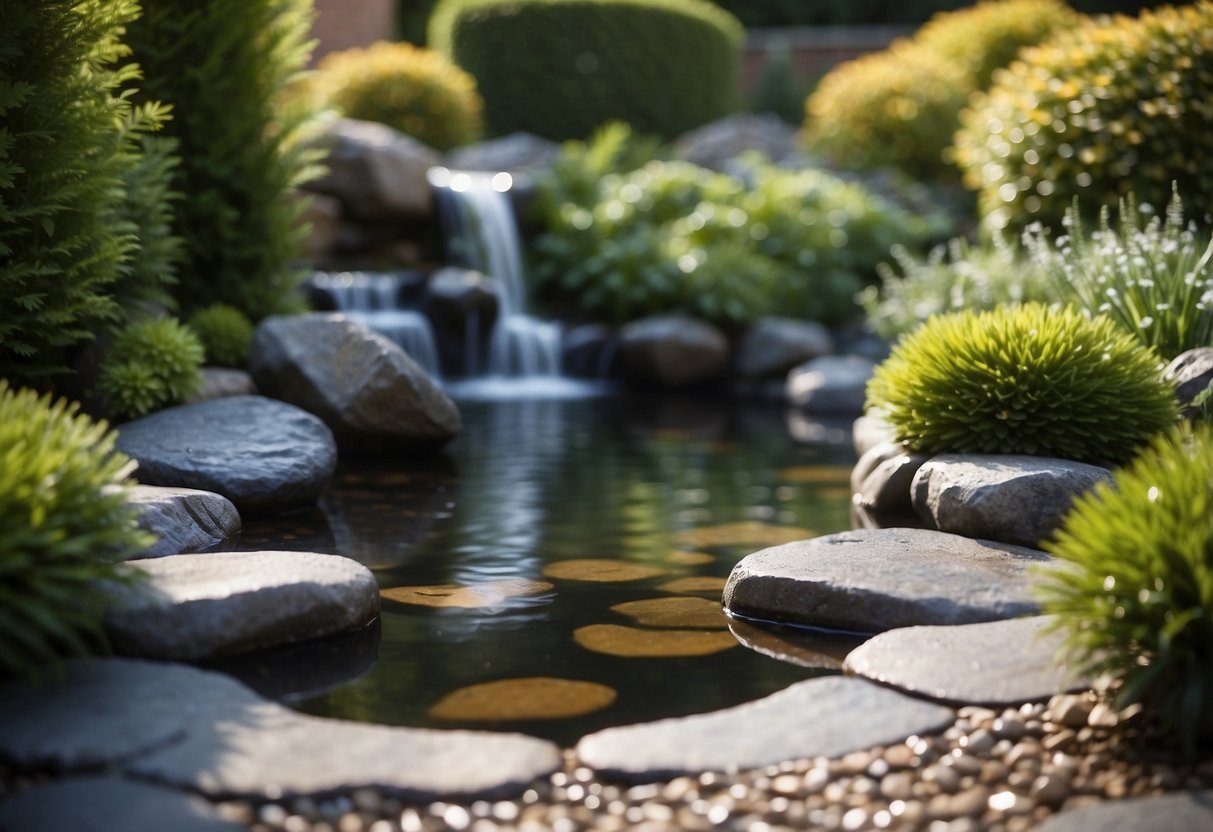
(990,664)
(828,717)
(1182,812)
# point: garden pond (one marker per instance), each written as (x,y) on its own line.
(558,569)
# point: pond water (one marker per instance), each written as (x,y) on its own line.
(565,555)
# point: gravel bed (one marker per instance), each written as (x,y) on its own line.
(991,770)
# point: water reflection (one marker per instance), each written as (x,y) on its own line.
(611,502)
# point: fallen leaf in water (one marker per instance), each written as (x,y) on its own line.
(602,570)
(683,558)
(746,532)
(632,642)
(816,474)
(697,613)
(487,594)
(696,585)
(534,697)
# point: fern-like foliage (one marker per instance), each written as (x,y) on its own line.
(221,64)
(151,268)
(66,133)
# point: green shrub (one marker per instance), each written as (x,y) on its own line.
(221,64)
(1153,277)
(900,107)
(62,524)
(67,140)
(673,237)
(150,271)
(151,364)
(1023,380)
(225,333)
(1137,600)
(562,68)
(1102,111)
(416,91)
(953,277)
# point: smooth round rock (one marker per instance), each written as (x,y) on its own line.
(184,520)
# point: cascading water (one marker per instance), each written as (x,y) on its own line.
(372,298)
(478,219)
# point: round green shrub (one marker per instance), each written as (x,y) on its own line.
(1024,379)
(1094,114)
(417,91)
(64,521)
(900,107)
(562,68)
(225,333)
(152,363)
(1136,602)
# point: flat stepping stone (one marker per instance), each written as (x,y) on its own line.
(103,804)
(1012,498)
(1183,812)
(204,732)
(225,603)
(263,455)
(880,579)
(993,664)
(826,717)
(184,520)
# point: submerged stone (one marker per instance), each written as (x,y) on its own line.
(745,532)
(708,585)
(489,594)
(536,697)
(634,642)
(696,613)
(600,570)
(825,717)
(880,579)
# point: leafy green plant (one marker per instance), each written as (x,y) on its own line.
(64,520)
(1152,275)
(150,271)
(1136,602)
(1094,114)
(225,333)
(222,65)
(68,141)
(1026,379)
(951,278)
(417,91)
(151,363)
(561,68)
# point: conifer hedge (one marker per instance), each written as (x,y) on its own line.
(221,64)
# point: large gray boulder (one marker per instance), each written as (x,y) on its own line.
(462,305)
(376,172)
(516,152)
(1011,498)
(672,351)
(1191,372)
(873,580)
(366,389)
(831,384)
(264,455)
(773,346)
(225,603)
(184,520)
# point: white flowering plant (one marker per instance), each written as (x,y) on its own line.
(1152,275)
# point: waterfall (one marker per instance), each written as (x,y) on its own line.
(373,298)
(478,219)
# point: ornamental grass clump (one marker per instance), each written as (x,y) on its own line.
(64,526)
(152,363)
(1136,603)
(1152,275)
(1023,380)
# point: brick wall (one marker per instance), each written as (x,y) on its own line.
(344,24)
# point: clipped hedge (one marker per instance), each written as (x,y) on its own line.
(562,68)
(1093,115)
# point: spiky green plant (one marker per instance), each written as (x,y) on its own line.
(151,363)
(225,333)
(1152,275)
(64,521)
(1026,379)
(67,141)
(1136,602)
(222,65)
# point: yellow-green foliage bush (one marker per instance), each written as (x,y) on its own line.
(900,107)
(415,90)
(63,524)
(1137,600)
(225,333)
(1104,110)
(152,363)
(1028,379)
